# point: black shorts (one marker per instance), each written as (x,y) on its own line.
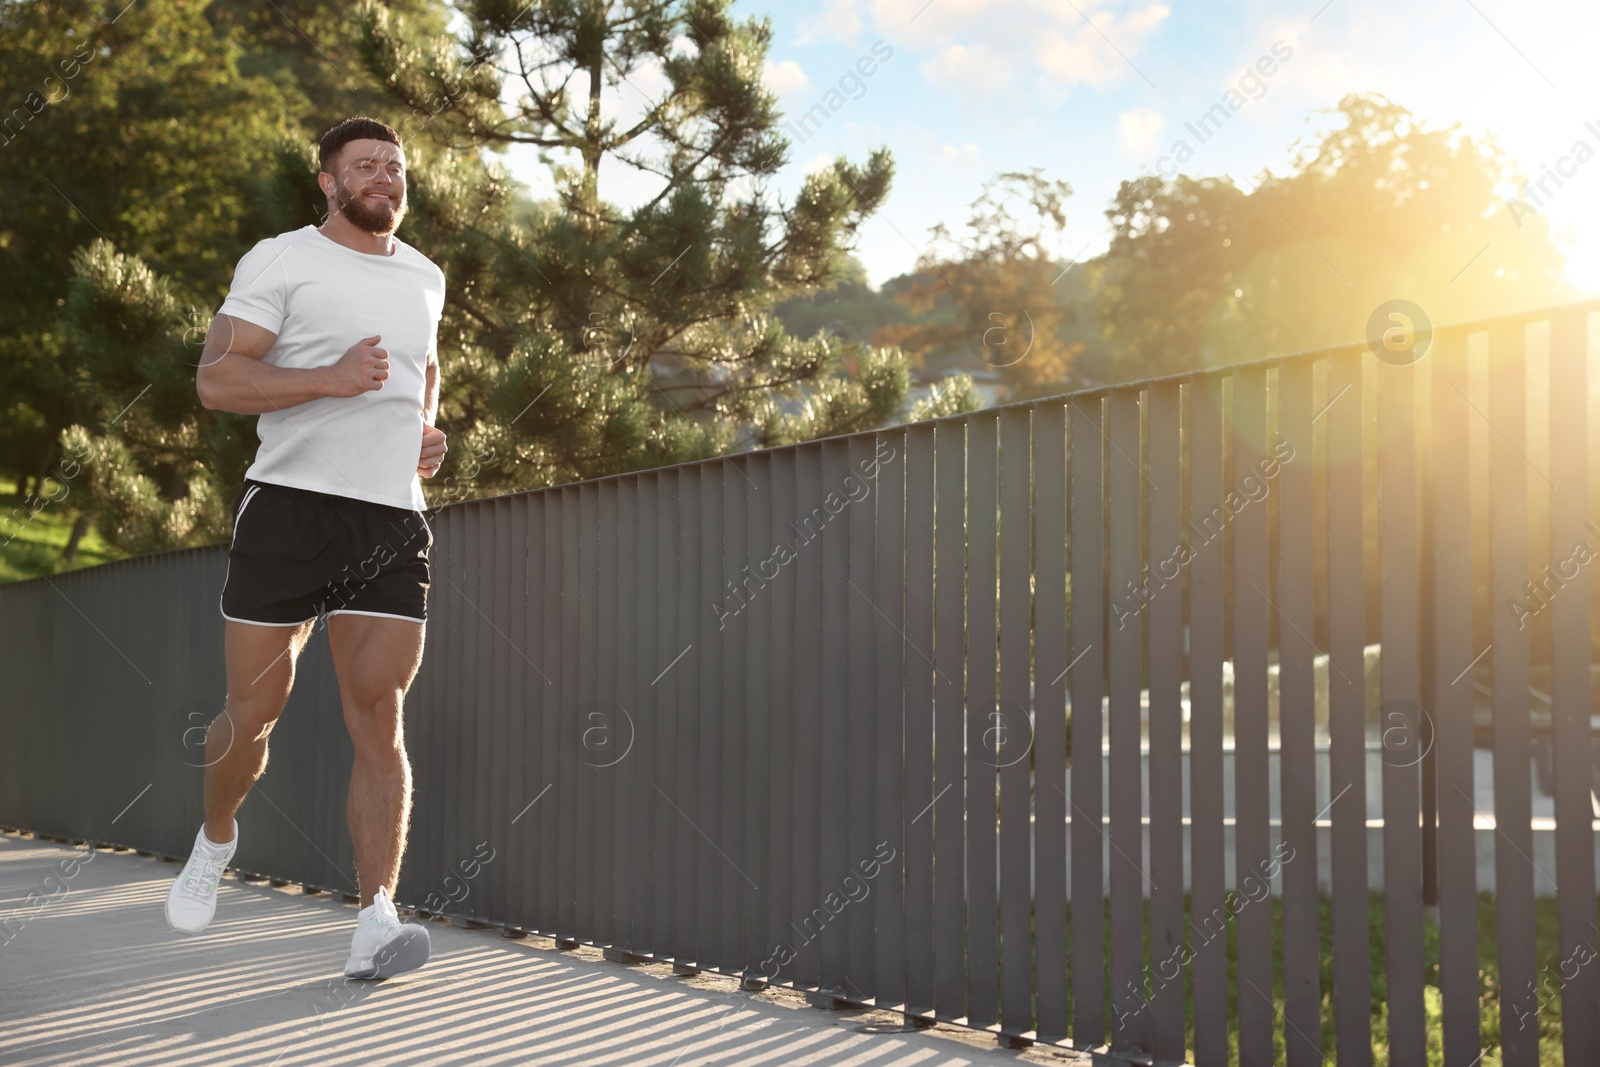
(297,555)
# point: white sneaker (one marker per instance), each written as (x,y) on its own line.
(383,946)
(192,900)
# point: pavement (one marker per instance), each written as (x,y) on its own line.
(91,975)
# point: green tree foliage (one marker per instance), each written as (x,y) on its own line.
(587,339)
(112,130)
(989,294)
(311,50)
(165,141)
(160,473)
(948,396)
(850,308)
(1201,272)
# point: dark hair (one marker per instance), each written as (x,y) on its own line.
(356,129)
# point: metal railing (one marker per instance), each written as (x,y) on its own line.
(805,715)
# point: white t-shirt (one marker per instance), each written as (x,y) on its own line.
(320,298)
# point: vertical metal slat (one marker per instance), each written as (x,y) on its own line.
(704,803)
(1570,667)
(1015,748)
(737,881)
(1401,720)
(917,654)
(1050,740)
(758,948)
(857,525)
(1164,494)
(949,804)
(1087,656)
(886,476)
(1252,610)
(663,685)
(983,740)
(1514,872)
(1290,459)
(1453,700)
(684,677)
(1347,776)
(597,733)
(1130,1025)
(808,712)
(783,686)
(1208,919)
(833,855)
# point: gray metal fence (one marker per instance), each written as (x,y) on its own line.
(807,714)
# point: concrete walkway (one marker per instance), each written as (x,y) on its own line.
(90,975)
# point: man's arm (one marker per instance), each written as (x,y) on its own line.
(234,375)
(433,439)
(430,390)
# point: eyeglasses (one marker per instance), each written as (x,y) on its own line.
(369,168)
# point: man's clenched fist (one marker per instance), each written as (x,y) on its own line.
(361,369)
(433,450)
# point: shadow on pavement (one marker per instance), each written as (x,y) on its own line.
(92,976)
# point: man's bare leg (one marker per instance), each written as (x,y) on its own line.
(261,661)
(376,658)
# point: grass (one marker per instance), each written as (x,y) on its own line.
(31,543)
(1547,962)
(1543,1005)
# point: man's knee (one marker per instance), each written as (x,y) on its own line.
(374,720)
(255,710)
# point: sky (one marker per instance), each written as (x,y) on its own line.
(1094,93)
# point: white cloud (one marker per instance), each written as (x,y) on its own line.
(1099,51)
(987,46)
(1139,131)
(966,67)
(785,78)
(838,21)
(1146,20)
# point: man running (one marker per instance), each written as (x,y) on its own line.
(329,334)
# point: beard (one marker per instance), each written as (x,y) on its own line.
(380,220)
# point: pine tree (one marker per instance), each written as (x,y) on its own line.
(152,470)
(587,340)
(575,344)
